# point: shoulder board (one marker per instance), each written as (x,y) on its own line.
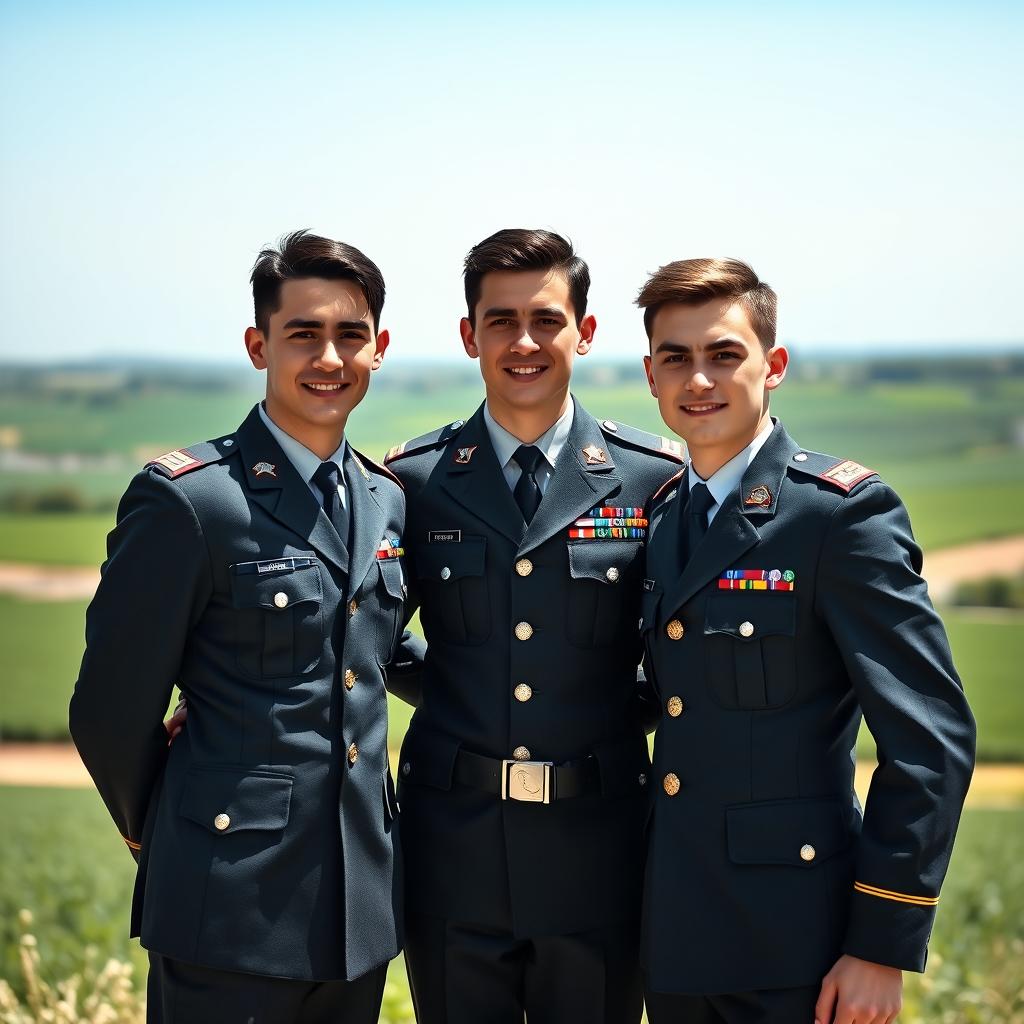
(841,473)
(666,447)
(668,485)
(362,461)
(434,439)
(184,460)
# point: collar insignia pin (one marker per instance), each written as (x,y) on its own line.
(594,455)
(463,455)
(759,497)
(264,469)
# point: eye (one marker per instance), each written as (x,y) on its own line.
(304,335)
(501,321)
(726,354)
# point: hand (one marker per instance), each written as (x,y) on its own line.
(859,992)
(176,722)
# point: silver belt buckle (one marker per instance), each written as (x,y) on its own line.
(529,781)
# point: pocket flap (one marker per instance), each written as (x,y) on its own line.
(776,831)
(603,560)
(751,615)
(428,759)
(275,590)
(445,563)
(391,575)
(236,799)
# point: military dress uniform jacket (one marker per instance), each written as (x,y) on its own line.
(801,608)
(532,653)
(265,834)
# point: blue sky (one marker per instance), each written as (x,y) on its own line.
(866,159)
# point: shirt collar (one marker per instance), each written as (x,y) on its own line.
(725,480)
(550,443)
(305,462)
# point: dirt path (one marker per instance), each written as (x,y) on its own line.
(48,582)
(58,764)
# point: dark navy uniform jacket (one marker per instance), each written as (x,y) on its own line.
(265,834)
(561,686)
(762,868)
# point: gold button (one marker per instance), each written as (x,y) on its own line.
(675,630)
(671,783)
(521,753)
(446,573)
(281,599)
(523,692)
(353,754)
(523,631)
(746,629)
(674,707)
(807,852)
(221,822)
(353,606)
(612,574)
(524,567)
(350,679)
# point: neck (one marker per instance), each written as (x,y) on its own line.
(322,441)
(707,461)
(528,424)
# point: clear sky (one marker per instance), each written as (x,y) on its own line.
(865,158)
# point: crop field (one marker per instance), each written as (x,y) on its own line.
(63,861)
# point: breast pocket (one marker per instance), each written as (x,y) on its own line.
(601,604)
(279,617)
(392,598)
(750,639)
(455,600)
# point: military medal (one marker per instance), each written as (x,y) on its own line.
(389,548)
(757,579)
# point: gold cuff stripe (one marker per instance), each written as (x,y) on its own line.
(134,846)
(899,897)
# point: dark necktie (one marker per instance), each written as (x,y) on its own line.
(527,491)
(700,504)
(326,479)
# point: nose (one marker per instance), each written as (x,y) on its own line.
(524,345)
(329,358)
(699,382)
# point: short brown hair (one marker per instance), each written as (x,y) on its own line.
(694,282)
(519,249)
(303,254)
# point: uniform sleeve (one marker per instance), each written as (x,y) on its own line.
(153,587)
(404,673)
(896,654)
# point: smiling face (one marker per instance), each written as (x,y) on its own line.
(319,349)
(526,338)
(712,378)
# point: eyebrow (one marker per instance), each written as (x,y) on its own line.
(714,346)
(543,311)
(316,325)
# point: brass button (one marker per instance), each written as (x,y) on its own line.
(221,822)
(350,679)
(746,629)
(353,753)
(674,707)
(281,599)
(523,692)
(808,852)
(612,574)
(523,631)
(524,567)
(675,630)
(353,606)
(446,573)
(521,753)
(671,783)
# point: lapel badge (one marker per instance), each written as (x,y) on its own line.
(265,469)
(463,455)
(759,497)
(594,455)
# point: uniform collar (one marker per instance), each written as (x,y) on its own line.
(306,462)
(550,443)
(727,479)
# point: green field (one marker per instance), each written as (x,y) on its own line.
(62,860)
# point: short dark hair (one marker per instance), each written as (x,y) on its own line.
(694,282)
(302,254)
(519,249)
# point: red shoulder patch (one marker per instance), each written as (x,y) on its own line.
(846,474)
(177,462)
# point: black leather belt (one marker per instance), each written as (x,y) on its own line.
(528,781)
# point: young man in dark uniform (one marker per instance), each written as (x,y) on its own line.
(783,600)
(524,774)
(261,573)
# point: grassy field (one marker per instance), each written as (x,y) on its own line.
(63,861)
